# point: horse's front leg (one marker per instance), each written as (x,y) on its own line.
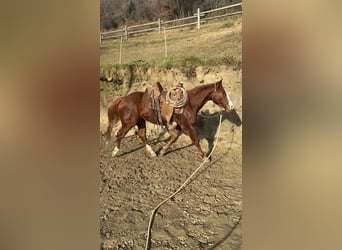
(190,130)
(174,133)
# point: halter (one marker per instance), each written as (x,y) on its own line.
(230,103)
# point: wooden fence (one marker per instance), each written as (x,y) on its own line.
(197,19)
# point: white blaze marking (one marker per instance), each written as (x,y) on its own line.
(230,103)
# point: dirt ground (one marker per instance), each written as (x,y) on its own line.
(206,214)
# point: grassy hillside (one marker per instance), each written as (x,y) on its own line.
(194,57)
(217,43)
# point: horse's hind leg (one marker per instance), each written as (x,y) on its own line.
(174,133)
(142,134)
(111,121)
(119,136)
(109,131)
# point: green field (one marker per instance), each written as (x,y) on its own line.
(216,43)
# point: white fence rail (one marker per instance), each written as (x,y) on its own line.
(197,19)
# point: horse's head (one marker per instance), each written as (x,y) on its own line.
(220,97)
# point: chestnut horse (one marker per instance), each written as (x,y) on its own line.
(133,109)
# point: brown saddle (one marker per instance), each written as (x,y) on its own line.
(160,102)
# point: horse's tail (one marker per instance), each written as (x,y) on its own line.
(113,115)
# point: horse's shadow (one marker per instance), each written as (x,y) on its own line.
(207,125)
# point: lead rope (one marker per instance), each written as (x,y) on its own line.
(148,240)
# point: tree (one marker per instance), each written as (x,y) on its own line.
(114,13)
(130,12)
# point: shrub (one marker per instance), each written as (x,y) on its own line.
(188,66)
(233,61)
(168,63)
(228,24)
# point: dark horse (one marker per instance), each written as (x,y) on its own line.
(133,109)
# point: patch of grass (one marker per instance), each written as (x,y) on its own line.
(108,91)
(168,63)
(189,65)
(191,60)
(214,61)
(228,24)
(233,61)
(141,65)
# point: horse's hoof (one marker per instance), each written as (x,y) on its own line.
(115,151)
(161,153)
(207,160)
(150,150)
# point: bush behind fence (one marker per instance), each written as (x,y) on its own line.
(196,20)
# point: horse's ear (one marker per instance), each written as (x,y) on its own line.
(160,87)
(219,83)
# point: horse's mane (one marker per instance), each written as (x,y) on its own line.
(200,88)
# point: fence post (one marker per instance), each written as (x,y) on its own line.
(165,43)
(126,33)
(198,19)
(100,38)
(159,24)
(120,58)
